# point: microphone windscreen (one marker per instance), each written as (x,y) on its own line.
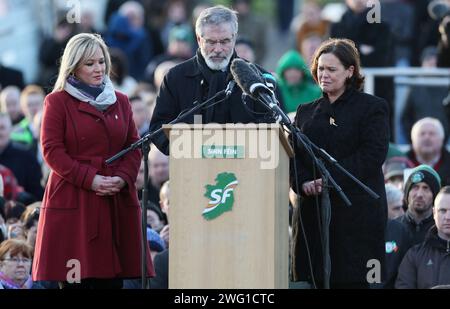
(244,75)
(438,9)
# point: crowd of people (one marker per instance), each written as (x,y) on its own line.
(97,94)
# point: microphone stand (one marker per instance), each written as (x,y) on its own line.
(325,211)
(144,144)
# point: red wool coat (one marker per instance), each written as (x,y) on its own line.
(102,233)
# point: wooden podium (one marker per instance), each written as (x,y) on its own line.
(229,202)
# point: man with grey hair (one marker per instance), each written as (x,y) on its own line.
(427,136)
(201,77)
(394,197)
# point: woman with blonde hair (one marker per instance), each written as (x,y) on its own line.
(89,230)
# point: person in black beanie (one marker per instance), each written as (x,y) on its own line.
(421,187)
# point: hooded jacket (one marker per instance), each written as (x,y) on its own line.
(294,95)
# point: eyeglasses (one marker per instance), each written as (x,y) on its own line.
(18,260)
(212,43)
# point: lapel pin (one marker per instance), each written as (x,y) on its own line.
(332,122)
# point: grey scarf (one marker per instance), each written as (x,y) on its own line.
(101,102)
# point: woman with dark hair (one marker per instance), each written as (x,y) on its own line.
(352,127)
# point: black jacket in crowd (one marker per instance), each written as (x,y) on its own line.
(359,141)
(397,244)
(425,30)
(10,77)
(354,26)
(25,167)
(426,265)
(416,231)
(161,263)
(192,82)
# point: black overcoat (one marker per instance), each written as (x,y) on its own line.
(359,141)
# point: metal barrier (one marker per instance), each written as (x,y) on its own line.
(404,77)
(426,76)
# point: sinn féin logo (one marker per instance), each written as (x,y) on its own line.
(220,195)
(417,177)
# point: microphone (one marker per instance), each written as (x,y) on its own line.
(438,9)
(253,84)
(268,78)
